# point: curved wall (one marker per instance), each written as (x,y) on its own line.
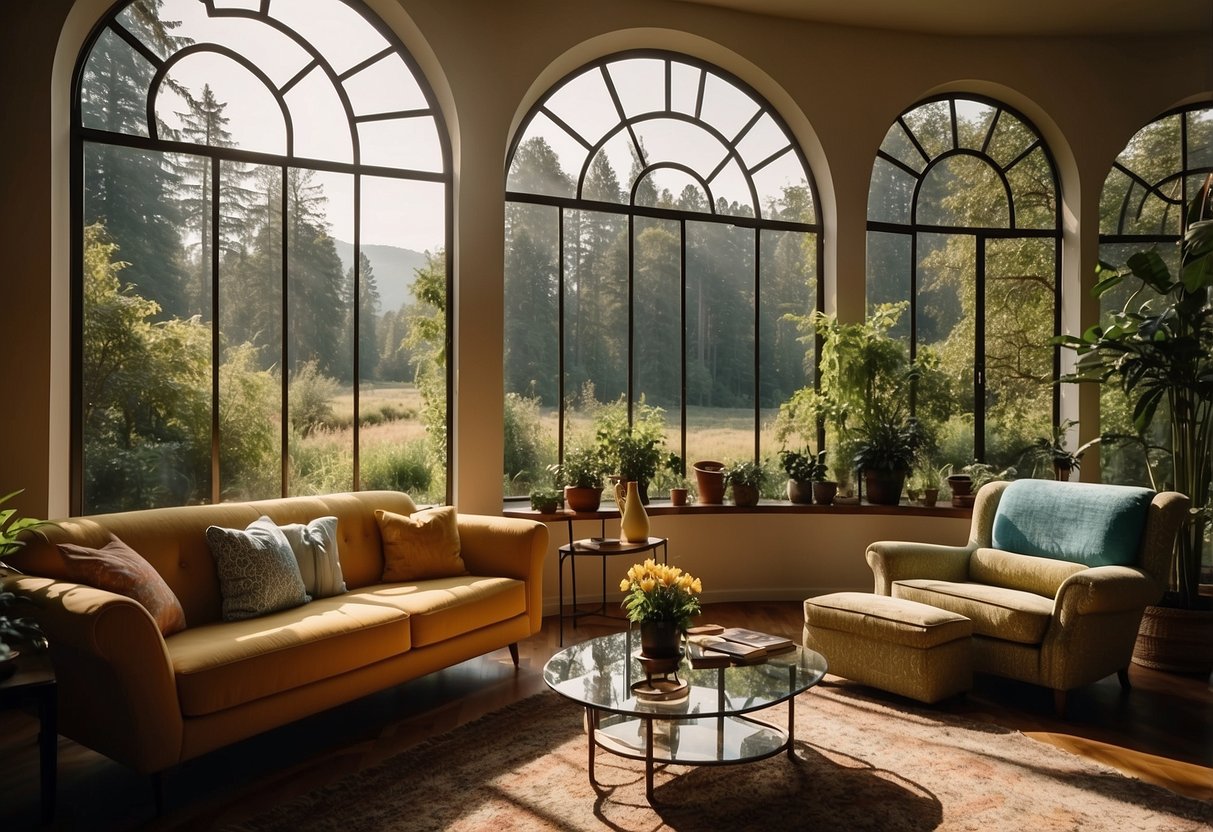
(839,88)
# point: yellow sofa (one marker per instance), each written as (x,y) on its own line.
(151,702)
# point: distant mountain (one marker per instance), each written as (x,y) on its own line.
(393,267)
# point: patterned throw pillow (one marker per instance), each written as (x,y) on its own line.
(315,549)
(424,544)
(116,567)
(257,571)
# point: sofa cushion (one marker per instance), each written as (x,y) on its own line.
(1042,576)
(1007,614)
(447,607)
(420,546)
(257,570)
(220,666)
(1096,525)
(116,567)
(314,545)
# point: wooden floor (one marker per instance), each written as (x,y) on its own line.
(1162,731)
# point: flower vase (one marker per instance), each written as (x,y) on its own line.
(634,525)
(660,639)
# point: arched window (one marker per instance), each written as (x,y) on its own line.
(661,222)
(262,214)
(964,227)
(1142,206)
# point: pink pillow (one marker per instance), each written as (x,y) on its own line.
(116,567)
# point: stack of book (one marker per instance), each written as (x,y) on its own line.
(711,646)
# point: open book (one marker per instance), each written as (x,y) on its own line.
(753,638)
(736,651)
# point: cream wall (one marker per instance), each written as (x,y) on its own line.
(839,88)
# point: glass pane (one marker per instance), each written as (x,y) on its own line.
(889,271)
(762,140)
(531,342)
(946,313)
(1011,138)
(1200,139)
(898,145)
(963,192)
(602,179)
(395,452)
(406,143)
(1112,207)
(113,92)
(320,350)
(731,189)
(536,169)
(585,105)
(596,305)
(321,128)
(383,87)
(669,140)
(640,83)
(1019,307)
(789,288)
(791,200)
(973,123)
(1154,211)
(250,333)
(932,127)
(773,181)
(727,108)
(144,444)
(684,87)
(342,35)
(890,194)
(1154,151)
(212,100)
(657,325)
(720,342)
(1033,191)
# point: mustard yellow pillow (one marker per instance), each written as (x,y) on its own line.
(424,544)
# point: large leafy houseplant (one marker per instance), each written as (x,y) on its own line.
(13,533)
(1159,349)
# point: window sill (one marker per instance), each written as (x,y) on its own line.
(660,508)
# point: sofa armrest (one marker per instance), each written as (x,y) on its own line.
(895,560)
(117,689)
(507,547)
(1105,589)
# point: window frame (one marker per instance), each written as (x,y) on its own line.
(81,137)
(632,211)
(980,234)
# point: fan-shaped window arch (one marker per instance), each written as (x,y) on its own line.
(661,223)
(964,228)
(262,199)
(1158,173)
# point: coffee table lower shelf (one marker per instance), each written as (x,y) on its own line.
(702,741)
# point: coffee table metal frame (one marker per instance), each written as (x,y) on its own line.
(712,725)
(586,547)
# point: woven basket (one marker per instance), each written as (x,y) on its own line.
(1175,640)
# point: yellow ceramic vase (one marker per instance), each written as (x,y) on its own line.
(634,525)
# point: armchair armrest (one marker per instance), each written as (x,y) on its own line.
(507,547)
(894,560)
(1105,589)
(117,688)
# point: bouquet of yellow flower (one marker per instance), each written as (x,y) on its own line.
(659,592)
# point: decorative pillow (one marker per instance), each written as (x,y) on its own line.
(1087,523)
(315,550)
(421,545)
(257,571)
(116,567)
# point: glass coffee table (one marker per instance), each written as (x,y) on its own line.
(710,725)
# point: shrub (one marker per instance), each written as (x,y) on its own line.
(393,467)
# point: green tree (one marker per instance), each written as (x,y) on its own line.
(428,338)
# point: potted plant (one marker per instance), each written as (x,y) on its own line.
(1159,351)
(886,443)
(709,481)
(745,478)
(1052,452)
(545,500)
(632,451)
(662,599)
(676,480)
(582,474)
(803,470)
(13,532)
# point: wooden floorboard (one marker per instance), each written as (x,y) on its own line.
(1161,731)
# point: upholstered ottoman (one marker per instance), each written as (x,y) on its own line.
(900,646)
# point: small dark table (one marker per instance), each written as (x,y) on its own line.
(34,682)
(601,548)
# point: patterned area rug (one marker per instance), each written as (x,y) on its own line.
(859,765)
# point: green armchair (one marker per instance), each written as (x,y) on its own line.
(1055,577)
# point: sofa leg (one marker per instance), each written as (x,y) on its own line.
(514,652)
(1059,703)
(1123,675)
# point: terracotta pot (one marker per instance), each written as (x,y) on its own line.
(745,495)
(824,492)
(800,493)
(929,497)
(678,496)
(582,499)
(709,479)
(1175,640)
(961,486)
(660,639)
(884,487)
